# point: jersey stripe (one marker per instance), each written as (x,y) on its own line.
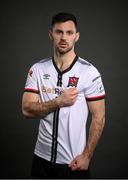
(31,90)
(54,136)
(55,127)
(96,98)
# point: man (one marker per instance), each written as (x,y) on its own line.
(60,90)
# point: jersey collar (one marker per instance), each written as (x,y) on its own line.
(66,70)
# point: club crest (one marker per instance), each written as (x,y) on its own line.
(73,81)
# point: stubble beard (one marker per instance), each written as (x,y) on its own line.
(63,51)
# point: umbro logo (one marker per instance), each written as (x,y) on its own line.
(46,76)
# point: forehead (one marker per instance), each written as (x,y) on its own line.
(68,25)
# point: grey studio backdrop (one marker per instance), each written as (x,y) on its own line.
(24,41)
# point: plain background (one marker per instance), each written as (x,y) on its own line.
(24,40)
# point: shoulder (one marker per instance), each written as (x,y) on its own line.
(46,60)
(41,62)
(91,69)
(91,72)
(83,61)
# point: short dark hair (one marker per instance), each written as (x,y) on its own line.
(63,17)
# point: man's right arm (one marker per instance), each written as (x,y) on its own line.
(32,108)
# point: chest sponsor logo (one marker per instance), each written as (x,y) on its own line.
(56,91)
(73,81)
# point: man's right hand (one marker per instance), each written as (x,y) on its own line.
(68,97)
(31,107)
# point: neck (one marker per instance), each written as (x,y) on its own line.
(63,61)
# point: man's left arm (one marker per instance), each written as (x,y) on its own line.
(97,109)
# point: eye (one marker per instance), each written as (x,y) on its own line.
(58,31)
(70,32)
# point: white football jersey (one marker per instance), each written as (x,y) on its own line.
(62,134)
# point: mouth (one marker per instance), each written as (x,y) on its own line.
(62,44)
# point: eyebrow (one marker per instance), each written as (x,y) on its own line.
(59,30)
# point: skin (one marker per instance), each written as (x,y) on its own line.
(64,36)
(97,109)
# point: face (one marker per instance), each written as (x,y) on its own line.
(64,36)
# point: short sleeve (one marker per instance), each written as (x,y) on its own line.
(31,82)
(95,88)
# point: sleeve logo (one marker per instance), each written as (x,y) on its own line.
(30,73)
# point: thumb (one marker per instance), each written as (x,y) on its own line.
(73,162)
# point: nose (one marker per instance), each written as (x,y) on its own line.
(63,36)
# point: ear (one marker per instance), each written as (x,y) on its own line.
(77,36)
(50,34)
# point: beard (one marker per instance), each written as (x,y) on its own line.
(63,49)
